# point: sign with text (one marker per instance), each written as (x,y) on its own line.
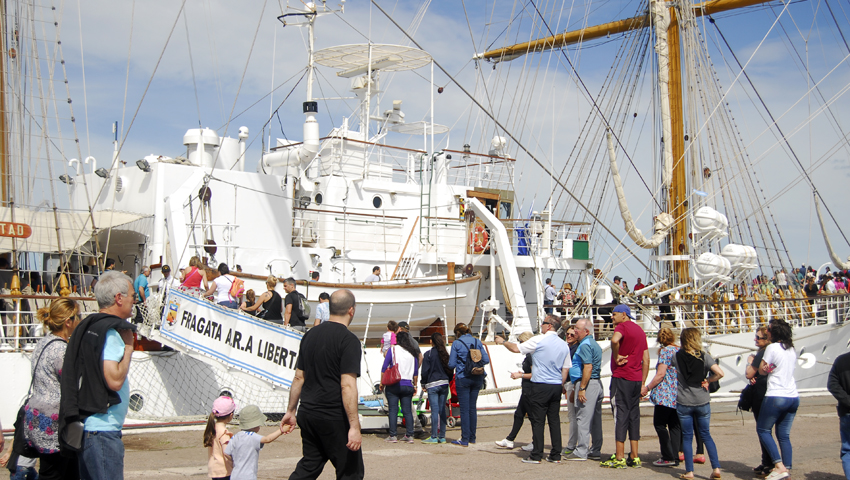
(254,346)
(15,230)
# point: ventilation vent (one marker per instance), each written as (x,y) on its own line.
(120,183)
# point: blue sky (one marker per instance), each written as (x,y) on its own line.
(222,37)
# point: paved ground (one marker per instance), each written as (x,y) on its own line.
(815,438)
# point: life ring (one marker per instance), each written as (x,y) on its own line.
(582,236)
(478,239)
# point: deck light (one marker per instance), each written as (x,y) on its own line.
(66,179)
(143,165)
(102,172)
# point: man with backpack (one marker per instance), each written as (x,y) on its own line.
(294,314)
(550,359)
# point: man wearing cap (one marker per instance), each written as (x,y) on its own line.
(548,296)
(588,393)
(167,282)
(617,289)
(629,369)
(550,358)
(326,384)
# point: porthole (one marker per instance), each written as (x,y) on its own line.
(136,402)
(225,393)
(377,201)
(318,199)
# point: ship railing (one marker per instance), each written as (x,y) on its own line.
(716,317)
(355,230)
(20,329)
(376,161)
(565,237)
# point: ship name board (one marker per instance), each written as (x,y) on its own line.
(15,230)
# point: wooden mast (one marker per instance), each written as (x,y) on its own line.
(4,130)
(678,192)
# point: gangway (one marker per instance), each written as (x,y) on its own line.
(500,248)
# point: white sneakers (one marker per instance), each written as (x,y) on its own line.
(528,448)
(505,443)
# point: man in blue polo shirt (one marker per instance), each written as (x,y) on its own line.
(584,373)
(550,360)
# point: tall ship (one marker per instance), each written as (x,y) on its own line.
(465,226)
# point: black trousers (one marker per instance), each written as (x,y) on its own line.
(666,423)
(522,409)
(322,440)
(57,467)
(545,405)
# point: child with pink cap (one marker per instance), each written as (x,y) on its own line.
(216,438)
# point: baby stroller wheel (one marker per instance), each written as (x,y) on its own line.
(424,420)
(451,422)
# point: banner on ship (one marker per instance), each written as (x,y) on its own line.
(262,349)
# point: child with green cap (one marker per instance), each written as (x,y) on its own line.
(245,446)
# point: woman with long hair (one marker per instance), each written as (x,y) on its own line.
(664,386)
(59,318)
(467,385)
(436,375)
(693,405)
(781,400)
(406,354)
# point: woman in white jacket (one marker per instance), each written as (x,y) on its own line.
(406,354)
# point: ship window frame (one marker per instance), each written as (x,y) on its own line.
(379,200)
(318,198)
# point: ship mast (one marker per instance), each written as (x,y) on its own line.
(4,130)
(678,191)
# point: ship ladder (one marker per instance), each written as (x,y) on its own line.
(407,266)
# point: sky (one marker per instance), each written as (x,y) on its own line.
(158,70)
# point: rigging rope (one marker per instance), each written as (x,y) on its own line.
(496,121)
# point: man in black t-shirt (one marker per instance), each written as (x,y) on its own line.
(326,384)
(292,314)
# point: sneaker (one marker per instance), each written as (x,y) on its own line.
(567,451)
(774,475)
(633,462)
(664,463)
(551,460)
(528,460)
(700,459)
(594,456)
(505,443)
(460,443)
(391,439)
(407,439)
(527,447)
(572,457)
(442,440)
(431,440)
(613,463)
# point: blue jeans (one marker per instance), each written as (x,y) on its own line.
(229,304)
(700,417)
(779,411)
(102,456)
(24,473)
(467,397)
(437,398)
(396,393)
(845,444)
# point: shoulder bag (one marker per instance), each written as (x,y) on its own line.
(391,375)
(21,447)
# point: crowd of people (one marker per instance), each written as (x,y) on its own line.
(80,391)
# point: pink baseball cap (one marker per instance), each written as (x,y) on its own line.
(223,406)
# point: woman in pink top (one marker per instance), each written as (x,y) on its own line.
(194,275)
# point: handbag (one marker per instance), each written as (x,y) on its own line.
(21,447)
(745,401)
(391,375)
